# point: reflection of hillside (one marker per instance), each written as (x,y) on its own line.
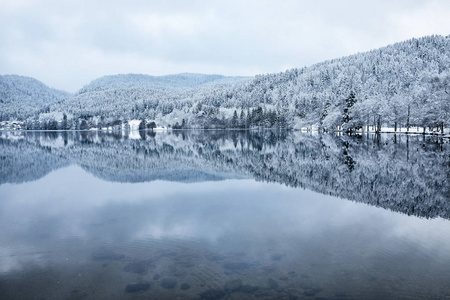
(404,174)
(22,160)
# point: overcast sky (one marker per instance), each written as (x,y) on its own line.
(66,44)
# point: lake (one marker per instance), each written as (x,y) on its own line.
(223,215)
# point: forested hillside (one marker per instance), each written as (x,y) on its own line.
(22,97)
(401,85)
(176,82)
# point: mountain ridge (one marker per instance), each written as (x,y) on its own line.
(401,85)
(177,81)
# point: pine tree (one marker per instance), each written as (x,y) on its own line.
(242,119)
(151,125)
(142,125)
(346,118)
(64,123)
(349,102)
(234,120)
(325,112)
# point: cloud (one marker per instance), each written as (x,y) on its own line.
(68,43)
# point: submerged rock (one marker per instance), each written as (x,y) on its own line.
(236,266)
(137,286)
(269,269)
(184,286)
(168,283)
(233,285)
(272,284)
(292,273)
(295,294)
(139,267)
(310,292)
(249,289)
(213,294)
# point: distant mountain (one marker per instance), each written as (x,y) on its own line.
(178,81)
(22,97)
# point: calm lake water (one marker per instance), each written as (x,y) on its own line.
(223,215)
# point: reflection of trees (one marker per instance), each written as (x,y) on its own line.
(347,159)
(26,160)
(408,174)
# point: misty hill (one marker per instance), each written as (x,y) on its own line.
(22,97)
(407,174)
(177,81)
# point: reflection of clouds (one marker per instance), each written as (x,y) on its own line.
(72,206)
(9,259)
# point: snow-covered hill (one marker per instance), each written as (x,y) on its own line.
(399,86)
(22,97)
(176,82)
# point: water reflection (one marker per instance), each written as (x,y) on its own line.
(408,174)
(181,216)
